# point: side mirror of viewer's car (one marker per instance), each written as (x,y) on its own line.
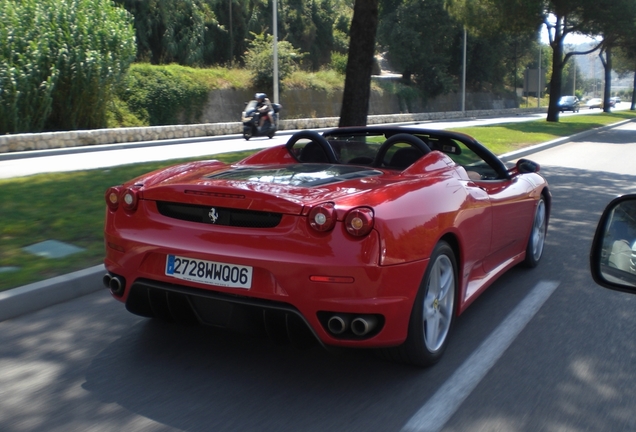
(613,254)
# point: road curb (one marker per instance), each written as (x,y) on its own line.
(39,295)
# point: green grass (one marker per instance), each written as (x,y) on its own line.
(69,207)
(503,138)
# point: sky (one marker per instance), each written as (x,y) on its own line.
(570,39)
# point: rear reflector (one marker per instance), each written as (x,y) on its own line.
(332,279)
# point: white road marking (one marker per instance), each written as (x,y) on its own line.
(433,415)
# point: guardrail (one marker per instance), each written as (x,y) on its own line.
(50,140)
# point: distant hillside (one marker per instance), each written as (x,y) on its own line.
(591,67)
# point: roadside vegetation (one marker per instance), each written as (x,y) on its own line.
(155,95)
(69,207)
(170,94)
(90,64)
(57,71)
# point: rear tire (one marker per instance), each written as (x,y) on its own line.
(536,242)
(433,313)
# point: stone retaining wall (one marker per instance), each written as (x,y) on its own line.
(224,105)
(50,140)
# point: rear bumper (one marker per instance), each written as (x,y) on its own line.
(299,273)
(287,300)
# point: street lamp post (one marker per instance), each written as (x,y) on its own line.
(275,19)
(464,75)
(539,79)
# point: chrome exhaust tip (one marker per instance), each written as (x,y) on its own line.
(363,325)
(106,280)
(338,324)
(116,285)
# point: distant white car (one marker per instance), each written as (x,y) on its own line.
(595,103)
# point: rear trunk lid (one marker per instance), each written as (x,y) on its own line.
(281,189)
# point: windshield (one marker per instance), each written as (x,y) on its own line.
(250,106)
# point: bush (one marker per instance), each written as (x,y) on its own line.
(119,115)
(164,95)
(259,59)
(58,62)
(326,80)
(339,62)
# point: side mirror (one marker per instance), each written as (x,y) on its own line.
(613,254)
(525,166)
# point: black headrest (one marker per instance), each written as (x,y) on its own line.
(313,153)
(405,157)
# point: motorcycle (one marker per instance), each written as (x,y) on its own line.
(251,119)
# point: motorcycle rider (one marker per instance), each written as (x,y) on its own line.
(265,108)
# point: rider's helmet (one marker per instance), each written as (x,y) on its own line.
(260,97)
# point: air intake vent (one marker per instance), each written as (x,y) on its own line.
(219,215)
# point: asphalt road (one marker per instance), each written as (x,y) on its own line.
(88,365)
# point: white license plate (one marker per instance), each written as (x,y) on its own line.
(209,272)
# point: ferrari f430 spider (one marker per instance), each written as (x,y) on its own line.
(369,237)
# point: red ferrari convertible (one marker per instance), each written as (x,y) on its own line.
(374,237)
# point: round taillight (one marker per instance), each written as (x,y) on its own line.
(359,221)
(322,217)
(112,197)
(129,199)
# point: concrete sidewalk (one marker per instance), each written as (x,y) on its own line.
(39,295)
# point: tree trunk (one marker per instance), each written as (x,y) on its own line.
(357,88)
(557,70)
(607,88)
(633,107)
(556,79)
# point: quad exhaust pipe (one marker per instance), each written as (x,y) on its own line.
(116,284)
(360,325)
